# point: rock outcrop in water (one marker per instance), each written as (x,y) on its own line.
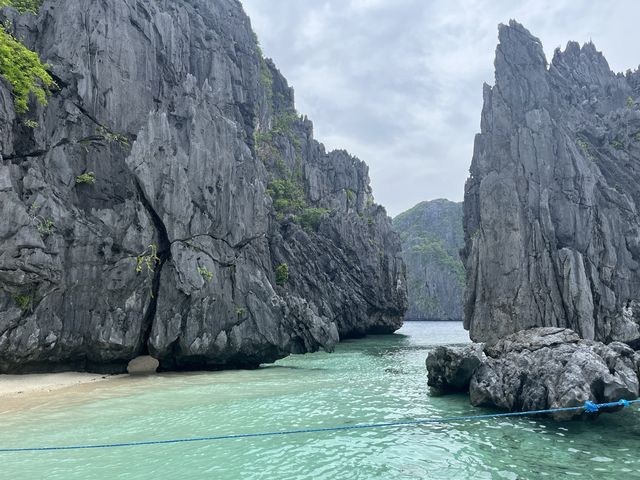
(170,201)
(552,234)
(538,369)
(432,237)
(451,368)
(551,207)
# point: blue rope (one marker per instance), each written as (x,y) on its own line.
(588,407)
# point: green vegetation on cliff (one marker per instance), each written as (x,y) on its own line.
(434,250)
(23,6)
(286,189)
(311,217)
(282,274)
(432,235)
(23,69)
(288,195)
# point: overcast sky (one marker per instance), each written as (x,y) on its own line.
(398,83)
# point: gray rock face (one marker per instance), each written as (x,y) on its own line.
(432,237)
(173,251)
(538,369)
(451,368)
(551,207)
(549,367)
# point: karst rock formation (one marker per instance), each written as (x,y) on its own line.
(551,206)
(170,201)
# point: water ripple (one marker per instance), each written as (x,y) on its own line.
(377,379)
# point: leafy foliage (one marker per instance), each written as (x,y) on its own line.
(23,6)
(311,217)
(88,178)
(149,258)
(45,226)
(432,236)
(266,78)
(584,146)
(617,144)
(265,149)
(25,302)
(113,137)
(24,71)
(434,250)
(288,196)
(282,274)
(263,137)
(206,274)
(283,123)
(257,42)
(350,195)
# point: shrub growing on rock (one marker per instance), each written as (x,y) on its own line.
(23,6)
(288,196)
(88,178)
(205,273)
(311,217)
(282,274)
(25,72)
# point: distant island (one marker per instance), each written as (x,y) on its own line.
(432,236)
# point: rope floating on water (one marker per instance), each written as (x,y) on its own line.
(588,407)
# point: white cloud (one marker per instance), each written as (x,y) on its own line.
(399,83)
(360,6)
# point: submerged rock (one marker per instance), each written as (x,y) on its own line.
(552,230)
(538,369)
(170,201)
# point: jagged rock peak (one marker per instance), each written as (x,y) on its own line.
(518,47)
(551,206)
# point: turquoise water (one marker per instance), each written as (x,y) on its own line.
(377,379)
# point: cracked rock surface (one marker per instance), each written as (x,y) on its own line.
(172,251)
(451,368)
(552,232)
(538,369)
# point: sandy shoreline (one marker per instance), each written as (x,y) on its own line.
(15,385)
(18,392)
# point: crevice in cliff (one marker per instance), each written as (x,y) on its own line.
(164,253)
(59,82)
(106,132)
(238,246)
(35,153)
(41,152)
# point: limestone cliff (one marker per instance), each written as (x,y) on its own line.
(552,233)
(432,237)
(169,200)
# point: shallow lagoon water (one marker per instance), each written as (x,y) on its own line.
(376,379)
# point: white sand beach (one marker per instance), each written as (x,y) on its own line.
(23,391)
(15,385)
